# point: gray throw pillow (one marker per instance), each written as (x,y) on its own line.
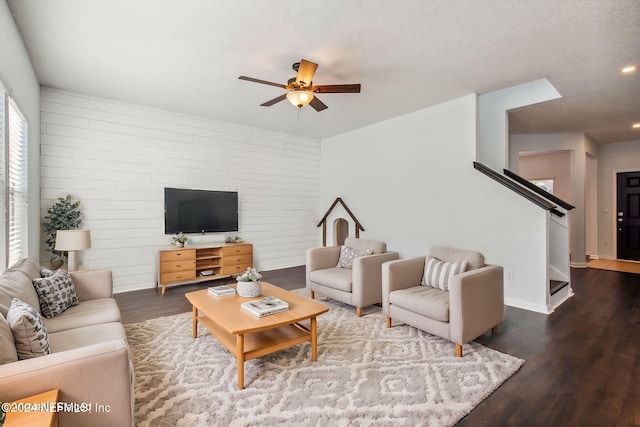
(29,333)
(347,255)
(56,293)
(45,272)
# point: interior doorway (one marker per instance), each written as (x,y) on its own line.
(340,231)
(628,215)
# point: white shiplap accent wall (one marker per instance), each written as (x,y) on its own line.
(117,158)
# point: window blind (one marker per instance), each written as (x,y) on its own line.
(3,199)
(17,184)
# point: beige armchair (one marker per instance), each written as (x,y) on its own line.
(361,285)
(473,304)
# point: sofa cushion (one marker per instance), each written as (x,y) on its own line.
(29,333)
(28,267)
(87,313)
(56,293)
(347,255)
(424,300)
(8,351)
(337,278)
(88,335)
(15,284)
(474,258)
(437,274)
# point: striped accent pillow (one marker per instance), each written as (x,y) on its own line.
(438,273)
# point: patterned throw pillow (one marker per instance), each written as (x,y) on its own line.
(56,293)
(45,272)
(348,254)
(438,273)
(29,332)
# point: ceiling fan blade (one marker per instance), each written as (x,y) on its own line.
(274,101)
(306,70)
(354,88)
(317,104)
(264,82)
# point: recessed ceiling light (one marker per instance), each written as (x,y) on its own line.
(629,69)
(636,125)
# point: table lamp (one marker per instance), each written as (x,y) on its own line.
(72,241)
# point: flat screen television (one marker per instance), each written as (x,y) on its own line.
(199,211)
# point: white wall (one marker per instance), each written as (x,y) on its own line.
(493,128)
(580,147)
(117,158)
(411,182)
(612,158)
(17,73)
(550,165)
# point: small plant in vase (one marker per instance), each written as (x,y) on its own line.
(249,283)
(179,240)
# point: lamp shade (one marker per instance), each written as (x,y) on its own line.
(73,240)
(300,98)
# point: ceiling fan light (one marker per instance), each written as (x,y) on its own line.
(300,98)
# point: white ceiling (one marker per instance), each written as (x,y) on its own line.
(186,56)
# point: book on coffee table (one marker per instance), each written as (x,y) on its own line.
(222,290)
(265,306)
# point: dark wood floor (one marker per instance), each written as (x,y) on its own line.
(582,362)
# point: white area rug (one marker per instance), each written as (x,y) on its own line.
(365,375)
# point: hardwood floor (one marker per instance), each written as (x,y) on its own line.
(615,265)
(137,306)
(582,362)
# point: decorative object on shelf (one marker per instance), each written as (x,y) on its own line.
(63,215)
(249,285)
(73,241)
(232,239)
(179,240)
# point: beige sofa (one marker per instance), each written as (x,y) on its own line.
(89,360)
(361,285)
(473,304)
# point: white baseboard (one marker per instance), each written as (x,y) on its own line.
(578,264)
(136,287)
(565,294)
(538,308)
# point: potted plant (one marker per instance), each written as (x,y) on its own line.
(249,283)
(63,215)
(179,240)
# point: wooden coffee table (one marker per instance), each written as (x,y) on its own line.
(247,336)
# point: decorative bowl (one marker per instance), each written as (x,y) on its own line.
(249,289)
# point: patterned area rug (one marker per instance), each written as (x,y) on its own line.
(365,375)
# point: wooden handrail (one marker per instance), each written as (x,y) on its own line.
(529,195)
(555,199)
(323,221)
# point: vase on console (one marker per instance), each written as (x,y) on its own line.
(249,284)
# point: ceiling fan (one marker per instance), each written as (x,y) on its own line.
(301,88)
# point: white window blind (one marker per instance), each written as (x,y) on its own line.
(17,188)
(3,199)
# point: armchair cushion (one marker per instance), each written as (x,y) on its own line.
(337,278)
(374,246)
(437,274)
(475,259)
(423,300)
(347,255)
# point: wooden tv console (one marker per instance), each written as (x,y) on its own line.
(180,266)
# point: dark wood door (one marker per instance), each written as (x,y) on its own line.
(628,215)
